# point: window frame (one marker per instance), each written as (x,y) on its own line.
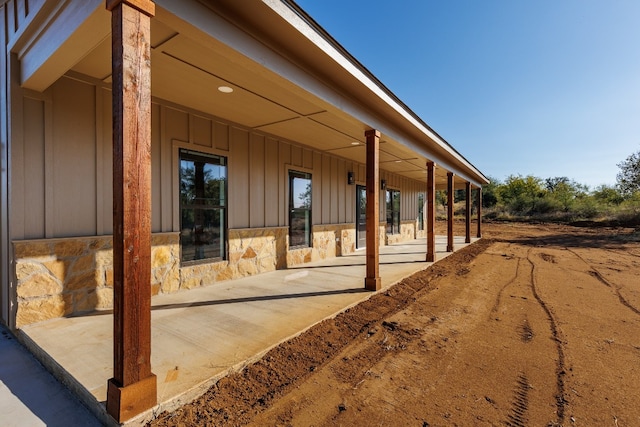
(189,154)
(308,210)
(392,227)
(421,200)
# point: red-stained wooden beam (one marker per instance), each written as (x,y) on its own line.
(479,202)
(372,280)
(133,388)
(449,211)
(431,212)
(467,234)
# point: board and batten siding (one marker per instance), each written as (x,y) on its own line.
(62,167)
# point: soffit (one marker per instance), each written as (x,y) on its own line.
(187,69)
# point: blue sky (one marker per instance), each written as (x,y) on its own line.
(546,88)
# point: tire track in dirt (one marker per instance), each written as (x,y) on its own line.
(561,401)
(618,253)
(518,415)
(494,309)
(520,410)
(593,271)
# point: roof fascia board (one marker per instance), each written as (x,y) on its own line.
(357,70)
(57,37)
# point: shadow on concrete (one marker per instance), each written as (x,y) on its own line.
(29,395)
(238,300)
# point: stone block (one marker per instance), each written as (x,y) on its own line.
(83,264)
(157,274)
(160,256)
(108,277)
(58,268)
(208,278)
(39,285)
(234,245)
(70,248)
(171,282)
(249,253)
(25,269)
(104,298)
(190,283)
(228,273)
(37,310)
(84,280)
(155,289)
(267,264)
(234,257)
(31,250)
(68,303)
(104,258)
(219,266)
(247,268)
(100,243)
(85,300)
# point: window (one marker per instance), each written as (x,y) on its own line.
(393,212)
(203,200)
(299,209)
(420,211)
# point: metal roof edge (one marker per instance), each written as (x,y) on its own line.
(324,34)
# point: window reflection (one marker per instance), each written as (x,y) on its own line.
(203,193)
(299,209)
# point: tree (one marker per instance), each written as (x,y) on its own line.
(629,176)
(489,193)
(564,191)
(520,193)
(607,195)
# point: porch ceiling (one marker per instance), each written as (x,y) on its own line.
(187,69)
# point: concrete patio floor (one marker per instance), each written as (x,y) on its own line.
(201,335)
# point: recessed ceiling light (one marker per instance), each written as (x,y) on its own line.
(225,89)
(355,143)
(398,161)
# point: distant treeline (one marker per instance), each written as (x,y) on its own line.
(554,199)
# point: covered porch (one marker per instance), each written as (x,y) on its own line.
(114,103)
(204,334)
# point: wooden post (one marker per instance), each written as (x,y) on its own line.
(133,388)
(449,211)
(479,202)
(467,234)
(431,212)
(372,281)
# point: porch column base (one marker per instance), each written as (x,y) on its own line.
(372,284)
(449,248)
(123,403)
(431,257)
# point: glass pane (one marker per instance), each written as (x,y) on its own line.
(396,201)
(299,208)
(202,234)
(301,192)
(202,201)
(299,227)
(396,222)
(420,211)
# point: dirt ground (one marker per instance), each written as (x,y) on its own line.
(535,325)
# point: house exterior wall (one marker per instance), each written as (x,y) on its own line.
(61,198)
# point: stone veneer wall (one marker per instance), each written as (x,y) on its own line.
(251,251)
(407,232)
(62,277)
(328,241)
(420,233)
